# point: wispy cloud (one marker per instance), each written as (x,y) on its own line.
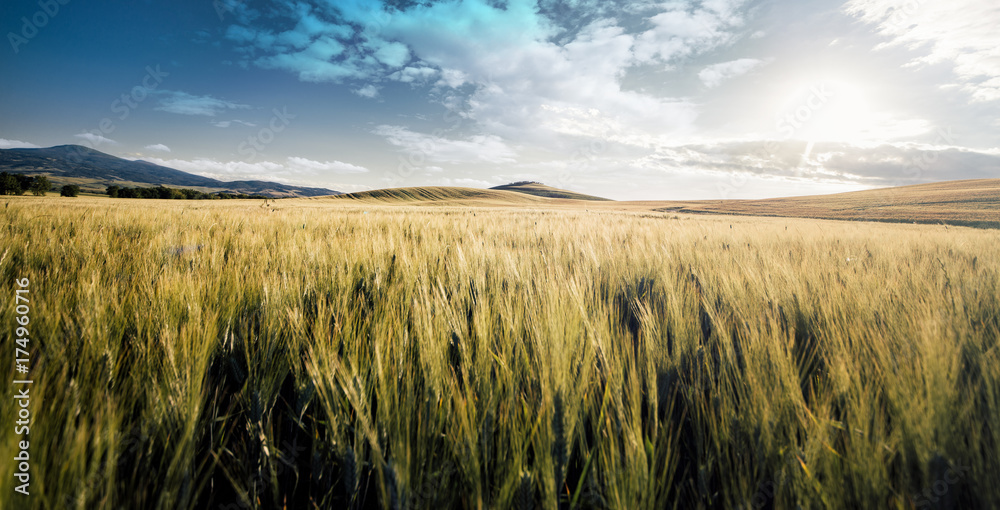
(414,74)
(392,54)
(962,33)
(518,57)
(713,75)
(368,91)
(158,147)
(95,139)
(337,167)
(474,149)
(295,170)
(686,28)
(16,144)
(227,123)
(182,103)
(886,164)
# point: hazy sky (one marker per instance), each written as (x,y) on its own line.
(624,99)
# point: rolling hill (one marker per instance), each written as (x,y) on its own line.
(89,168)
(974,203)
(541,190)
(444,195)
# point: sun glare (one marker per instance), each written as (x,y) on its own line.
(833,110)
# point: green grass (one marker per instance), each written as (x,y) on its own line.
(340,354)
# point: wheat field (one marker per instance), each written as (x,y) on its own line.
(337,354)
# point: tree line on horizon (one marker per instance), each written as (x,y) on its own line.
(38,185)
(163,192)
(15,184)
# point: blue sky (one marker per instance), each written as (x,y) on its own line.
(626,99)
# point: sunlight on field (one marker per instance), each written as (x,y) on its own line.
(318,353)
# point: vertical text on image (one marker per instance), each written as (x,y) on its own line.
(22,384)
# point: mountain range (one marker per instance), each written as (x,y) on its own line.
(94,170)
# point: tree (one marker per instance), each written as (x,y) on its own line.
(69,190)
(10,184)
(113,191)
(23,182)
(40,185)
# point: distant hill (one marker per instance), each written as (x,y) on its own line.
(974,203)
(75,164)
(541,190)
(443,195)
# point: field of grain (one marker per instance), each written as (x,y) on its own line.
(344,354)
(971,203)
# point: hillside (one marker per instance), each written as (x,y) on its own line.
(444,195)
(973,203)
(92,169)
(541,190)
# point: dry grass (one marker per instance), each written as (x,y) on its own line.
(974,203)
(441,195)
(541,190)
(339,354)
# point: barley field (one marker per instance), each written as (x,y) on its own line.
(341,354)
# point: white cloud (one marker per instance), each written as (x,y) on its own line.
(517,59)
(962,33)
(158,147)
(713,75)
(464,182)
(226,170)
(95,139)
(338,167)
(227,123)
(296,170)
(685,29)
(453,78)
(414,74)
(393,54)
(16,144)
(475,149)
(183,103)
(528,86)
(368,91)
